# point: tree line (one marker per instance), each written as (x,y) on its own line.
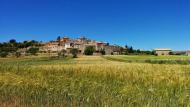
(12,47)
(129,50)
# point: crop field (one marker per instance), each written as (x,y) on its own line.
(151,59)
(94,81)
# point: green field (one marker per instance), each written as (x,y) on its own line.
(151,59)
(94,81)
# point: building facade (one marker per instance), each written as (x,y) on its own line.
(162,52)
(67,44)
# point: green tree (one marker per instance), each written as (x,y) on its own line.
(1,45)
(59,40)
(130,50)
(33,50)
(12,46)
(138,52)
(112,53)
(12,41)
(17,54)
(126,50)
(74,52)
(171,53)
(20,45)
(59,43)
(102,51)
(27,44)
(89,50)
(121,50)
(32,43)
(126,47)
(62,53)
(4,54)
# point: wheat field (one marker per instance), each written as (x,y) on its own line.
(92,81)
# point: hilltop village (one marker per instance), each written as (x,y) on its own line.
(67,44)
(63,46)
(79,46)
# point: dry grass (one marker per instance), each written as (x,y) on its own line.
(95,82)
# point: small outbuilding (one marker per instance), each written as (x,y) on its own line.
(188,53)
(162,51)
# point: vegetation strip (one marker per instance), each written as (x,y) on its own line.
(148,60)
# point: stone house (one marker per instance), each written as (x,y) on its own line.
(188,53)
(51,46)
(162,52)
(80,44)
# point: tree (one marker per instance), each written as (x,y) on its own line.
(62,53)
(17,54)
(130,50)
(126,50)
(121,50)
(112,53)
(74,52)
(27,44)
(31,43)
(33,51)
(12,45)
(3,54)
(102,51)
(12,41)
(138,51)
(34,43)
(1,45)
(171,53)
(59,40)
(126,47)
(59,43)
(20,45)
(89,50)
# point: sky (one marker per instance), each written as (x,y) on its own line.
(143,24)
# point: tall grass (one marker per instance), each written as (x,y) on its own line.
(94,82)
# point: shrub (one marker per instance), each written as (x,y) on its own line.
(102,51)
(33,51)
(74,52)
(62,53)
(17,54)
(3,54)
(89,50)
(111,53)
(148,61)
(171,53)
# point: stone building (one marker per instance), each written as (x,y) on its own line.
(162,52)
(80,43)
(52,46)
(188,53)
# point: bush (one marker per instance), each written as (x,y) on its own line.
(171,53)
(74,52)
(62,53)
(33,51)
(89,50)
(148,61)
(17,54)
(102,51)
(3,54)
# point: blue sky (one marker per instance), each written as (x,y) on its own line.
(144,24)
